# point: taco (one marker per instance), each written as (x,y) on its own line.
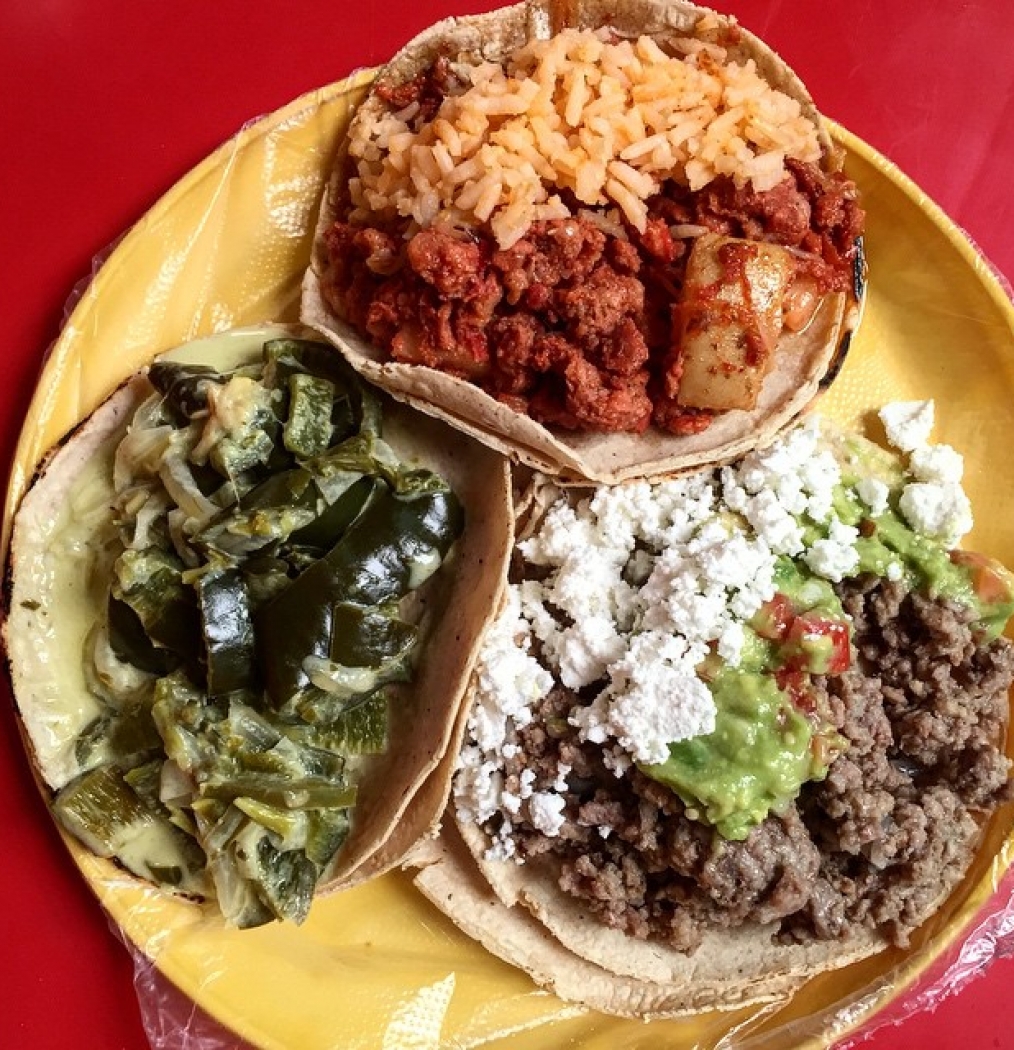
(624,249)
(242,603)
(734,729)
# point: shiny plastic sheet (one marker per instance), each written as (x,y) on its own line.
(377,966)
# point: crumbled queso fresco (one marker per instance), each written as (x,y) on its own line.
(637,583)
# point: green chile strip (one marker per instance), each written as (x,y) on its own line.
(308,429)
(319,359)
(228,631)
(130,642)
(150,582)
(372,564)
(184,388)
(364,638)
(326,529)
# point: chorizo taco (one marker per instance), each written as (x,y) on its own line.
(621,249)
(734,729)
(242,602)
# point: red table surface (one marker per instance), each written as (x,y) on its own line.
(105,105)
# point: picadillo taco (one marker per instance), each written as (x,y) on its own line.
(241,608)
(623,249)
(733,729)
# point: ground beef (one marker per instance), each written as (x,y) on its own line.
(572,325)
(923,709)
(428,88)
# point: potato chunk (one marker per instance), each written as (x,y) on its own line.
(729,320)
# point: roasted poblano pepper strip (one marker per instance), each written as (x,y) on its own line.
(231,456)
(368,651)
(185,721)
(119,736)
(366,638)
(151,583)
(184,388)
(319,833)
(284,879)
(145,781)
(363,454)
(242,410)
(328,528)
(101,810)
(388,551)
(228,631)
(326,832)
(284,356)
(130,642)
(354,730)
(308,427)
(281,791)
(339,690)
(244,729)
(281,504)
(289,826)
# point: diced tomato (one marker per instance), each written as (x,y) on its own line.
(992,582)
(796,683)
(774,618)
(810,626)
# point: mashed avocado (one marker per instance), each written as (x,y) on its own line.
(761,753)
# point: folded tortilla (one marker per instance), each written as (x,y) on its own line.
(53,596)
(520,913)
(805,362)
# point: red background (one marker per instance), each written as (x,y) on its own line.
(105,105)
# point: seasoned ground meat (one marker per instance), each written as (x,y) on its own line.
(427,88)
(924,711)
(572,325)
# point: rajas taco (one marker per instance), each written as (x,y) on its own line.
(734,729)
(242,601)
(622,249)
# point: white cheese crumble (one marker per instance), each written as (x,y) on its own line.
(934,503)
(937,463)
(939,511)
(907,423)
(507,682)
(874,493)
(835,557)
(774,488)
(545,809)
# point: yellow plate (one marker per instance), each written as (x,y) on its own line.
(377,966)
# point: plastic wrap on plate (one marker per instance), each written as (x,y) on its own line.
(378,965)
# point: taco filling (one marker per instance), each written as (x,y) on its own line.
(254,556)
(770,695)
(601,232)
